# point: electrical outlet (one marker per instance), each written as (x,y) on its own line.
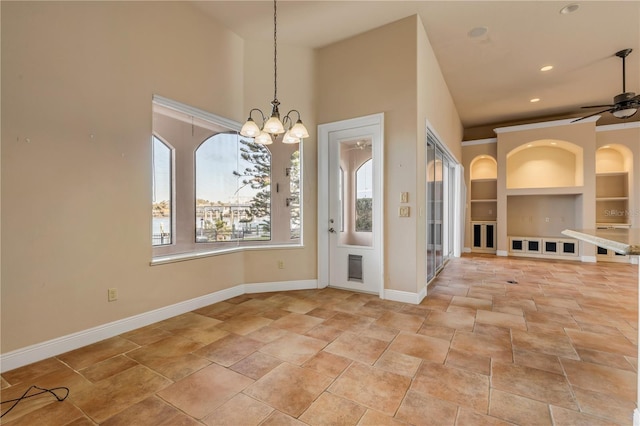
(280,264)
(112,294)
(404,197)
(404,211)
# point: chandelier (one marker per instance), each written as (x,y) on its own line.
(273,126)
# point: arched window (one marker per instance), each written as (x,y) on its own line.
(162,179)
(226,193)
(233,190)
(364,196)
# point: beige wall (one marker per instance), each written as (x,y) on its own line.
(77,83)
(78,79)
(393,69)
(296,89)
(436,106)
(371,73)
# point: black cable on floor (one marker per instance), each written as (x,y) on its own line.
(25,395)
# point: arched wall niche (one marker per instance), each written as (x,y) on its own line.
(483,167)
(613,158)
(545,163)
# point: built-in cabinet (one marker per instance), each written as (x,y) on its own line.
(535,180)
(612,197)
(484,200)
(483,235)
(560,248)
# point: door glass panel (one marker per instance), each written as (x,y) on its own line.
(431,158)
(438,205)
(356,182)
(364,178)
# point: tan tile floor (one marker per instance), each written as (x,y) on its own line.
(558,347)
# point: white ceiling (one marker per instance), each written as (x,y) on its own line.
(491,78)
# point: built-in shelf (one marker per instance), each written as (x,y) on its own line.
(562,190)
(484,199)
(612,198)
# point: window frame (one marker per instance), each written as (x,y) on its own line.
(184,170)
(172,209)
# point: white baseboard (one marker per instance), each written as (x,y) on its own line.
(280,286)
(422,294)
(466,250)
(588,259)
(502,253)
(403,296)
(60,345)
(636,417)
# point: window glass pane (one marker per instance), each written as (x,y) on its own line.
(341,198)
(364,197)
(161,207)
(233,190)
(294,195)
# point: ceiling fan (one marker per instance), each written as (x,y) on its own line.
(625,104)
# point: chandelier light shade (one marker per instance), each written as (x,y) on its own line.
(273,126)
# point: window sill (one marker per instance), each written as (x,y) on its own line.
(181,257)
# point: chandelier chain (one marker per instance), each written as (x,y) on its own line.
(275,51)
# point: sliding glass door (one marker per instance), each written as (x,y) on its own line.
(441,192)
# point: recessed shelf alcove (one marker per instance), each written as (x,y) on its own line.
(545,163)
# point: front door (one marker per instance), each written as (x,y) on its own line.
(350,200)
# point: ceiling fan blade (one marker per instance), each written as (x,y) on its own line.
(598,106)
(591,115)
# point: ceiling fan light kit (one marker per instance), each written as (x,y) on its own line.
(626,104)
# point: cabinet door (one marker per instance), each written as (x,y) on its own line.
(534,246)
(569,247)
(550,247)
(477,235)
(490,233)
(517,244)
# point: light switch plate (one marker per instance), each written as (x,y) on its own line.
(404,197)
(404,211)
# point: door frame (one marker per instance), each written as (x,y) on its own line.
(324,132)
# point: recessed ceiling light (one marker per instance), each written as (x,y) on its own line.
(606,146)
(478,32)
(554,143)
(529,145)
(534,100)
(570,8)
(546,68)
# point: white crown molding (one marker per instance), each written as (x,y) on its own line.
(60,345)
(619,126)
(543,125)
(479,142)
